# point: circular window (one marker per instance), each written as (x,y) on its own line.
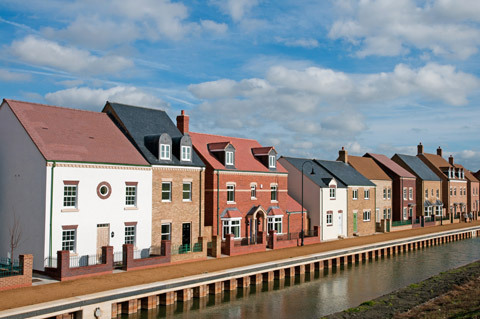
(104,190)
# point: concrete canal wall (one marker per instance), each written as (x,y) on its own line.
(113,303)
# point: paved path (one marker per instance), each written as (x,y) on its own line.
(37,294)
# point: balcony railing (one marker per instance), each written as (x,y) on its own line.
(401,223)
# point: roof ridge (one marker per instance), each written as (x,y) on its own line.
(238,138)
(137,106)
(54,106)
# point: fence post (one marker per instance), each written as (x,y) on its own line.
(26,264)
(216,246)
(203,241)
(272,239)
(167,248)
(229,243)
(107,255)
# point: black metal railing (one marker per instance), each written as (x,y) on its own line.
(9,267)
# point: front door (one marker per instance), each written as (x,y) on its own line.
(103,238)
(340,224)
(354,222)
(186,236)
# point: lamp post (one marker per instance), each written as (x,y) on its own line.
(302,233)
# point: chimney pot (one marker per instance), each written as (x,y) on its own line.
(343,155)
(439,151)
(419,148)
(450,160)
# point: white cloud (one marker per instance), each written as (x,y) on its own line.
(213,26)
(238,8)
(51,54)
(302,42)
(390,28)
(89,98)
(8,76)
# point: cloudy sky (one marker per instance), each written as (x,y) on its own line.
(307,76)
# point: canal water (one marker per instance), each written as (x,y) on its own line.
(313,296)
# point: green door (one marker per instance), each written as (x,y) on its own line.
(388,225)
(354,222)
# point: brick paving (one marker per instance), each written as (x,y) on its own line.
(43,293)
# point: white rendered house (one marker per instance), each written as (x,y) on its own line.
(72,180)
(324,197)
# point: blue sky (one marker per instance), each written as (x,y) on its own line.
(305,76)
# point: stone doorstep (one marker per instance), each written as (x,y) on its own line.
(120,295)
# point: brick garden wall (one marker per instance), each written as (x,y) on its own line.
(24,280)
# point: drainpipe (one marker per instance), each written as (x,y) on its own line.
(51,206)
(200,204)
(218,203)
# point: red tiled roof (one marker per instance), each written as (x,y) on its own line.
(437,160)
(293,205)
(218,146)
(244,158)
(391,165)
(368,168)
(261,150)
(233,213)
(64,134)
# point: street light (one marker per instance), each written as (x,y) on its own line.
(302,233)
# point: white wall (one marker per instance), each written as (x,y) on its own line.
(339,203)
(22,188)
(93,210)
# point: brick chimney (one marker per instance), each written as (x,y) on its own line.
(450,160)
(182,122)
(343,155)
(419,148)
(439,151)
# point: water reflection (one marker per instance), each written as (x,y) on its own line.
(320,293)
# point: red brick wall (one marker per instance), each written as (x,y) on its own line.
(243,201)
(231,250)
(130,263)
(398,203)
(25,280)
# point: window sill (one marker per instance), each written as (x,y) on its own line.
(186,200)
(70,210)
(131,208)
(253,198)
(329,225)
(166,201)
(332,198)
(274,201)
(231,202)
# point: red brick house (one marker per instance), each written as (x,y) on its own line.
(472,191)
(403,188)
(245,187)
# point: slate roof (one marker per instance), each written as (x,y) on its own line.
(322,176)
(368,168)
(244,158)
(419,167)
(64,134)
(390,165)
(345,173)
(139,122)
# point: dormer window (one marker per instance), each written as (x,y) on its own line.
(165,152)
(229,158)
(272,161)
(186,153)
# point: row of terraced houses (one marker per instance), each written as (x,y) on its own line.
(129,188)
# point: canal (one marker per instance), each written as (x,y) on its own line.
(325,292)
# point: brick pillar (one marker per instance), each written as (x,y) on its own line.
(263,236)
(204,243)
(273,239)
(310,268)
(280,273)
(230,284)
(127,250)
(149,302)
(215,288)
(200,291)
(166,248)
(63,264)
(26,263)
(130,306)
(358,257)
(229,244)
(256,279)
(184,294)
(114,310)
(107,255)
(216,246)
(268,276)
(290,272)
(167,298)
(300,269)
(328,263)
(243,282)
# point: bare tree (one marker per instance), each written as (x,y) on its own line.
(15,236)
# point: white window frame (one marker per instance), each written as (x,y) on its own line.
(384,193)
(69,239)
(189,192)
(165,151)
(329,218)
(272,161)
(169,192)
(367,215)
(166,235)
(130,238)
(231,223)
(389,193)
(229,158)
(405,213)
(186,153)
(410,193)
(354,194)
(131,195)
(68,197)
(426,193)
(333,192)
(231,190)
(405,193)
(366,193)
(275,223)
(274,193)
(253,191)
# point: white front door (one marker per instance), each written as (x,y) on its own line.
(340,224)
